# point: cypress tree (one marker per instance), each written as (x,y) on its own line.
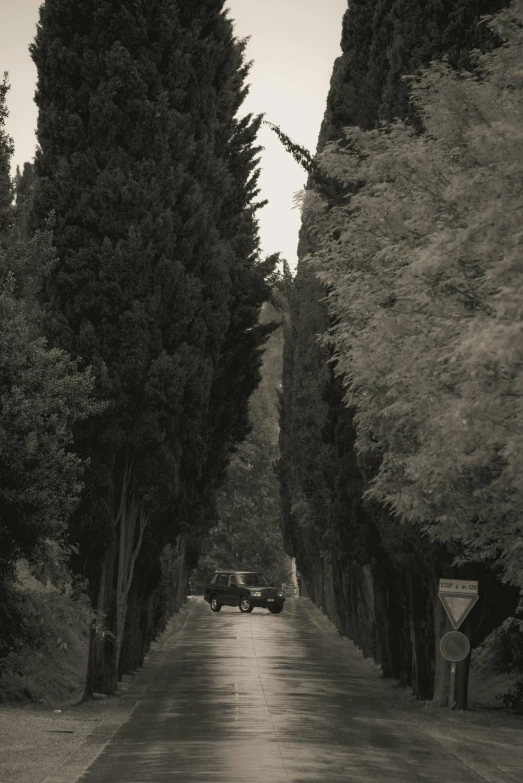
(6,150)
(24,182)
(138,149)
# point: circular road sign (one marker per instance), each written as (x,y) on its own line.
(454,646)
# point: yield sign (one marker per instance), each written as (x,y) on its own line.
(457,606)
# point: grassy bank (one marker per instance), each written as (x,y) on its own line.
(51,670)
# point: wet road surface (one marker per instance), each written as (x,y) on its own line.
(262,698)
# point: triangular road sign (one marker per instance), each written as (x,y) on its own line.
(457,607)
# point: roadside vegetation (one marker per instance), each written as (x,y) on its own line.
(131,286)
(248,534)
(402,389)
(382,448)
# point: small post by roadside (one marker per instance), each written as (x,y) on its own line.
(452,685)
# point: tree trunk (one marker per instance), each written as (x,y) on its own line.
(304,591)
(130,523)
(366,617)
(354,613)
(100,643)
(420,622)
(315,590)
(345,587)
(146,625)
(415,674)
(339,596)
(349,602)
(382,620)
(137,635)
(378,657)
(330,603)
(128,654)
(406,651)
(173,589)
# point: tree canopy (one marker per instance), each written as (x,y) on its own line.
(6,150)
(425,288)
(42,397)
(375,576)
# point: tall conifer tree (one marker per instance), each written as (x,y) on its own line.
(137,141)
(6,150)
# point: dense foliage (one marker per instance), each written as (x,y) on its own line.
(376,577)
(507,651)
(6,150)
(248,534)
(425,288)
(384,42)
(42,397)
(158,284)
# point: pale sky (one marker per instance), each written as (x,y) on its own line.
(293,44)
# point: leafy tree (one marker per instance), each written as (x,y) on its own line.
(375,578)
(42,396)
(427,306)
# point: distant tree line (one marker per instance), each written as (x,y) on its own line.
(401,407)
(247,535)
(131,286)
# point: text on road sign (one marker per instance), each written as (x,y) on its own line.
(458,586)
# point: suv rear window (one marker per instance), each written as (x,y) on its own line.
(252,579)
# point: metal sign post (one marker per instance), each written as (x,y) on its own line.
(458,596)
(454,647)
(452,685)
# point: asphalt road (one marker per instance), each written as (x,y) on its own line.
(262,698)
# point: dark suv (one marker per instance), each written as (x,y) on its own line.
(245,589)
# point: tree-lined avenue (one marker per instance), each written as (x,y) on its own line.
(257,698)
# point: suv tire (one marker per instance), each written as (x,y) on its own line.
(275,609)
(245,604)
(215,606)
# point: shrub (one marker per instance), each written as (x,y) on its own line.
(508,659)
(22,628)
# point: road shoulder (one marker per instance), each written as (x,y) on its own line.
(42,745)
(489,742)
